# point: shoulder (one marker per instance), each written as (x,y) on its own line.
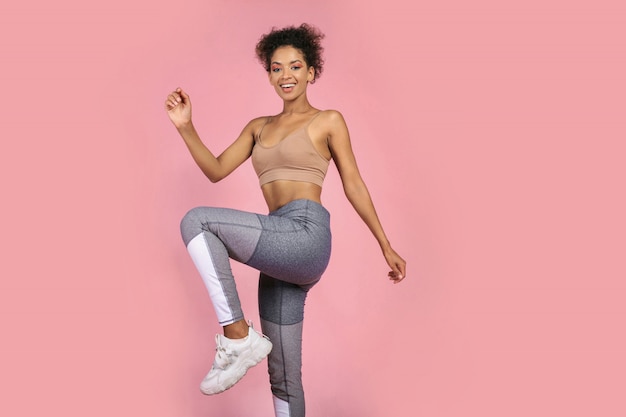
(255,125)
(333,121)
(332,116)
(257,122)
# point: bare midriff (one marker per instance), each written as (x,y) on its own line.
(279,193)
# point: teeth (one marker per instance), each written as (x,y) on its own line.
(288,85)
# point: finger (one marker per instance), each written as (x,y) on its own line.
(397,274)
(180,95)
(183,94)
(170,104)
(176,97)
(394,276)
(398,270)
(173,100)
(396,279)
(402,269)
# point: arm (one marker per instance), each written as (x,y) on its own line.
(178,106)
(357,193)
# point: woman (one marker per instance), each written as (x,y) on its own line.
(290,247)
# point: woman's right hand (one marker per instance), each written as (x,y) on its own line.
(178,106)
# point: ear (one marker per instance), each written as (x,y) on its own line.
(311,75)
(269,76)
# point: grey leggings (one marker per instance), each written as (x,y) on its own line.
(291,248)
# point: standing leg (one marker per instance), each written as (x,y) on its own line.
(281,306)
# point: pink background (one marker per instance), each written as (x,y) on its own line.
(491,136)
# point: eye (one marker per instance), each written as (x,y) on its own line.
(276,69)
(296,67)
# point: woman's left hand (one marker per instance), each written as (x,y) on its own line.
(397,264)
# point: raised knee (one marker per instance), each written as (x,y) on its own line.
(191,225)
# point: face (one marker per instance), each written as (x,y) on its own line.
(289,73)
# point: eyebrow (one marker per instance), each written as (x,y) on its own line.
(292,62)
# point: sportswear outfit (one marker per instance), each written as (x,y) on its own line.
(290,247)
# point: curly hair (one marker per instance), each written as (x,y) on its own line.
(305,38)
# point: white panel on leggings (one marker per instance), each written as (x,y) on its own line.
(281,407)
(199,252)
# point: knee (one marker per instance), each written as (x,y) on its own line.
(191,225)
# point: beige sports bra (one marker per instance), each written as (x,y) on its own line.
(294,158)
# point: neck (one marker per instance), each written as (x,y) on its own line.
(299,105)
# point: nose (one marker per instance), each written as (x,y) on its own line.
(286,74)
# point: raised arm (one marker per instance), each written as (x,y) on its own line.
(178,106)
(357,193)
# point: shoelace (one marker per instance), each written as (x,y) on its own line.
(223,357)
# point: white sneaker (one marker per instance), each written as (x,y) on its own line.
(233,359)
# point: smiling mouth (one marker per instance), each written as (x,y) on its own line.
(287,85)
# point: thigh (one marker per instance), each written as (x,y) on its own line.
(291,250)
(238,230)
(281,302)
(282,247)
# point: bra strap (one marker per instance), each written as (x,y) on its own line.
(258,136)
(313,118)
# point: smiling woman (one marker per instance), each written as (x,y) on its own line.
(288,70)
(306,39)
(290,246)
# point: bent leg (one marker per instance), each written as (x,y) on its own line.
(211,260)
(212,235)
(281,306)
(273,244)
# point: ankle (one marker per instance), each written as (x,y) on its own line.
(237,330)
